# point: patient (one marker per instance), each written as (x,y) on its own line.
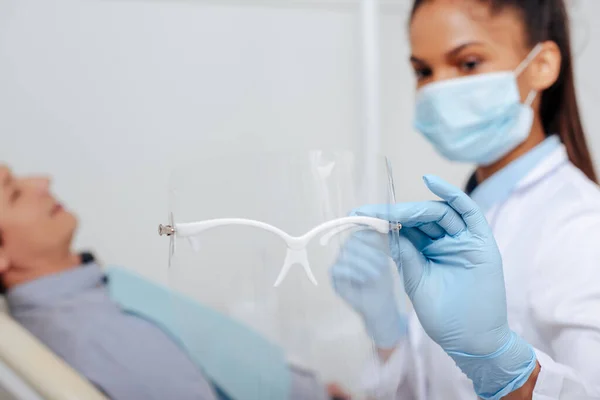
(67,307)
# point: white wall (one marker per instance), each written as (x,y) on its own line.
(107,95)
(586,37)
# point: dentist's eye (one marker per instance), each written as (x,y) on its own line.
(470,64)
(422,73)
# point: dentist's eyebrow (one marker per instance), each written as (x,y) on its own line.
(449,54)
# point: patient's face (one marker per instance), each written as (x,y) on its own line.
(33,225)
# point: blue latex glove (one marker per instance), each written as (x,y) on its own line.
(363,277)
(456,284)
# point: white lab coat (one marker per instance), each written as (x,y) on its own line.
(548,231)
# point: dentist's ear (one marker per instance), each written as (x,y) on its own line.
(545,67)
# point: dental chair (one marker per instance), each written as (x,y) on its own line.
(30,371)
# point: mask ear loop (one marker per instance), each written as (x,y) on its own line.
(530,97)
(524,64)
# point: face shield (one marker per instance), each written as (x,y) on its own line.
(252,240)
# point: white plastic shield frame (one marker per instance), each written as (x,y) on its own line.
(227,220)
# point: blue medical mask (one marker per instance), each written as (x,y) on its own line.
(476,119)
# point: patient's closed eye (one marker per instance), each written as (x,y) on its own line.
(15,195)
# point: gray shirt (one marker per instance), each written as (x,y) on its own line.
(125,356)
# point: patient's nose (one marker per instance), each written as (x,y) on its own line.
(40,184)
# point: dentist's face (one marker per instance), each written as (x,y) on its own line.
(33,224)
(456,38)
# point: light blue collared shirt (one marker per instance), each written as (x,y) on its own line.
(124,355)
(127,357)
(498,187)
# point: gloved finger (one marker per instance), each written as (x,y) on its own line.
(363,259)
(410,214)
(364,246)
(363,268)
(365,243)
(433,230)
(340,273)
(368,241)
(364,254)
(449,220)
(416,237)
(367,237)
(417,214)
(459,201)
(411,263)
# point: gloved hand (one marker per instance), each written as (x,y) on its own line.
(363,277)
(456,284)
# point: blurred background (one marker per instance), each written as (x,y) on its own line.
(108,95)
